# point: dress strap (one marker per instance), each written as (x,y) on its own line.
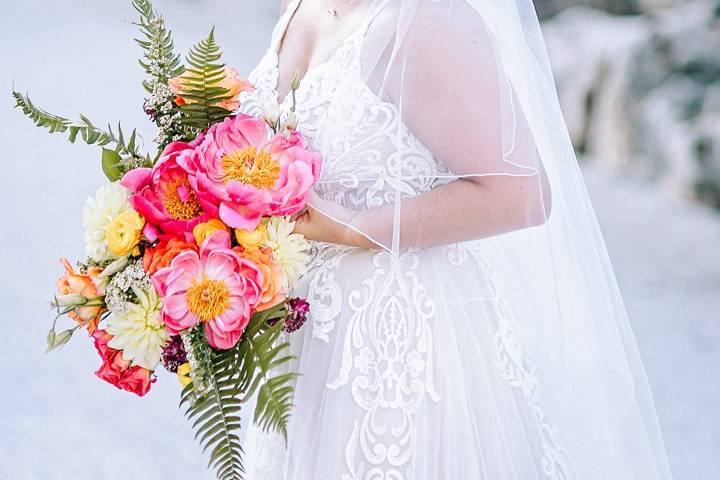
(372,15)
(282,24)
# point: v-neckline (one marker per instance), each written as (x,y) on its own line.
(309,71)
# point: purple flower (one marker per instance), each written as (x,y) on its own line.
(298,309)
(149,111)
(174,354)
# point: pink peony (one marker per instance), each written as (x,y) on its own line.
(240,175)
(215,287)
(163,196)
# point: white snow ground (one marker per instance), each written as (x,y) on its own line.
(58,422)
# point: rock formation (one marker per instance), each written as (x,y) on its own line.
(642,92)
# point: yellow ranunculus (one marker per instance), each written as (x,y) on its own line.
(183,374)
(124,232)
(203,230)
(252,240)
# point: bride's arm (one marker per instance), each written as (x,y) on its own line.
(464,209)
(455,102)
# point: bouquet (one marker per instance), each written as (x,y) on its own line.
(191,253)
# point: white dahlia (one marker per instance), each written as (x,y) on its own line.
(101,209)
(291,250)
(138,330)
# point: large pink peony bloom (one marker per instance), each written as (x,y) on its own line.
(240,175)
(215,287)
(163,195)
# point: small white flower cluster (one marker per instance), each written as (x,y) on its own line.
(160,104)
(119,292)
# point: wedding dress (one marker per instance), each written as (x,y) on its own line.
(465,349)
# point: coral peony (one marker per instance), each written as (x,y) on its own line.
(215,287)
(162,254)
(240,175)
(118,371)
(232,83)
(87,286)
(163,195)
(273,274)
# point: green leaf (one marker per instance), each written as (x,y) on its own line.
(158,48)
(90,134)
(215,412)
(111,161)
(253,366)
(259,362)
(201,85)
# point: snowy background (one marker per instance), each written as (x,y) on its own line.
(58,422)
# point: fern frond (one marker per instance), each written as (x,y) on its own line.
(215,412)
(201,86)
(127,151)
(229,378)
(259,358)
(161,63)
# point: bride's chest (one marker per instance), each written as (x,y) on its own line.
(368,151)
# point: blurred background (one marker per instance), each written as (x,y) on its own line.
(639,82)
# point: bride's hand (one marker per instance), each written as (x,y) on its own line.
(321,228)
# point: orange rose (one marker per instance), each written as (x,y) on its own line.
(84,285)
(273,275)
(162,254)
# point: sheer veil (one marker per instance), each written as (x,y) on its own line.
(471,81)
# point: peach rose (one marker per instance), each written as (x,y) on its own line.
(87,286)
(162,254)
(273,275)
(233,83)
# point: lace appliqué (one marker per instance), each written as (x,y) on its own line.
(388,363)
(352,126)
(515,364)
(324,294)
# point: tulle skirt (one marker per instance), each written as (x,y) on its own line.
(418,368)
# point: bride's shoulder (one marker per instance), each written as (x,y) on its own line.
(436,29)
(443,23)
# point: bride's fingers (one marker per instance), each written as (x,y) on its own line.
(302,220)
(299,214)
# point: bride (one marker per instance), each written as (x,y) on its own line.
(465,320)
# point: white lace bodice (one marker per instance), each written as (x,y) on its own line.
(380,308)
(369,154)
